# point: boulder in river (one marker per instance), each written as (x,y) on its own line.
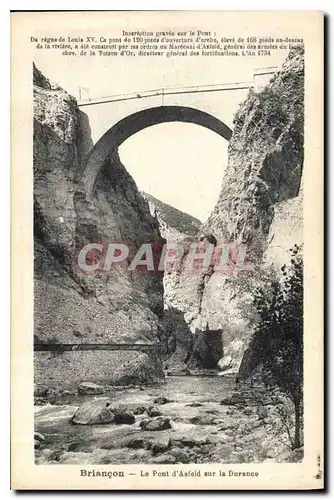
(189,442)
(95,411)
(38,436)
(163,459)
(89,388)
(153,411)
(40,391)
(162,400)
(137,443)
(160,445)
(181,455)
(138,410)
(204,420)
(156,424)
(124,417)
(48,454)
(225,363)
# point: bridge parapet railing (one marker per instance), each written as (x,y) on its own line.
(166,91)
(261,77)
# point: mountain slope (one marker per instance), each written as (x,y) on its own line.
(173,223)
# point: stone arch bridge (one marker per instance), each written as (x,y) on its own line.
(109,121)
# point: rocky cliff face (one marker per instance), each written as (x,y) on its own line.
(183,351)
(265,159)
(260,205)
(71,307)
(174,224)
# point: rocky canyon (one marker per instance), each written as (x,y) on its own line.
(143,365)
(194,321)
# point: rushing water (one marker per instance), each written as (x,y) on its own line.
(230,434)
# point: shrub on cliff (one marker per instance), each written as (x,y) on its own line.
(278,338)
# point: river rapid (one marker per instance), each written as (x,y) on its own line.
(210,423)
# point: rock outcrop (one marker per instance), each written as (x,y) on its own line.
(70,306)
(260,206)
(174,224)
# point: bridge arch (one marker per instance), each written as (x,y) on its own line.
(135,122)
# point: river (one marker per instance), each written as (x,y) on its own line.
(203,430)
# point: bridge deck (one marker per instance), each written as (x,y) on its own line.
(165,92)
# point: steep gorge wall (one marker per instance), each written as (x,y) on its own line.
(70,307)
(180,349)
(265,159)
(260,205)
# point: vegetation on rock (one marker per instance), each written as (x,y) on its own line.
(277,343)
